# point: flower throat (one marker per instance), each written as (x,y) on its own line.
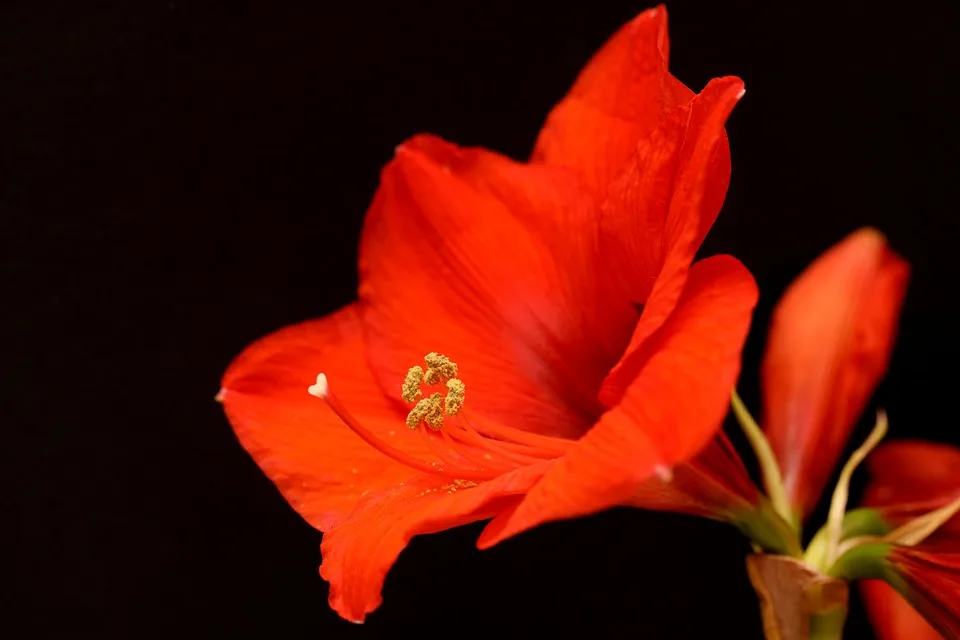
(463,451)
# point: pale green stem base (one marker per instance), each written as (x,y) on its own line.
(828,626)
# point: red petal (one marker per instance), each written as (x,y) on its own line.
(829,344)
(494,264)
(933,581)
(715,484)
(320,466)
(893,618)
(668,414)
(616,101)
(358,553)
(678,189)
(909,478)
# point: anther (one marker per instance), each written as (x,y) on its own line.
(411,384)
(429,410)
(456,393)
(464,453)
(439,368)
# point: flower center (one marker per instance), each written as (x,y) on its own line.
(465,451)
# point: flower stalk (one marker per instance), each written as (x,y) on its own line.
(769,469)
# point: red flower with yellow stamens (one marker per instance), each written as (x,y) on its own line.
(573,351)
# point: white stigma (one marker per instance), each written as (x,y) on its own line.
(663,472)
(320,388)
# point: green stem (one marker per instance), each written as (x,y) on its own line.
(765,528)
(864,562)
(838,503)
(769,469)
(828,626)
(859,522)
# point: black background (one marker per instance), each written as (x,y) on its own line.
(179,178)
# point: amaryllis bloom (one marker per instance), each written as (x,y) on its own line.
(909,479)
(930,581)
(530,342)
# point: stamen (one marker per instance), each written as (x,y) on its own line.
(456,393)
(439,368)
(430,438)
(919,529)
(557,446)
(769,467)
(838,504)
(411,385)
(465,453)
(486,462)
(322,390)
(512,447)
(427,410)
(470,436)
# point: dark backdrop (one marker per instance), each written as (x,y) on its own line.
(179,178)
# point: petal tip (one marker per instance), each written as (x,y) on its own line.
(871,234)
(658,12)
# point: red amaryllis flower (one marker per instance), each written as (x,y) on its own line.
(910,478)
(530,277)
(892,617)
(907,480)
(929,579)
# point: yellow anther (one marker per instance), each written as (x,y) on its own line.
(456,391)
(428,410)
(411,384)
(416,415)
(431,410)
(439,368)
